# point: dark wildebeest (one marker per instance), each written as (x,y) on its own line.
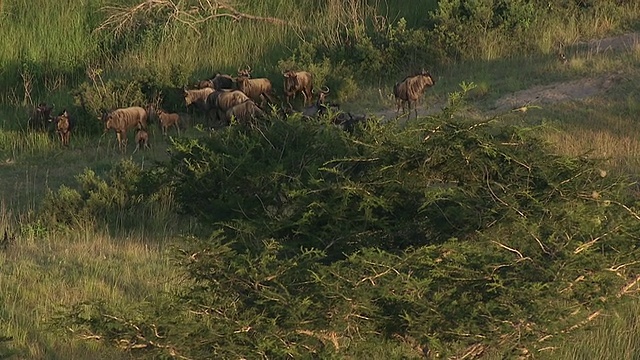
(120,120)
(223,100)
(218,82)
(256,89)
(40,117)
(64,125)
(319,108)
(411,89)
(298,82)
(142,140)
(245,113)
(168,120)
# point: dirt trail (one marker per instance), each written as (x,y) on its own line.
(555,92)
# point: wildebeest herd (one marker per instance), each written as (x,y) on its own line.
(223,99)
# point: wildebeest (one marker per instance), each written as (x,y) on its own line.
(120,120)
(347,120)
(245,113)
(168,120)
(218,82)
(256,89)
(198,97)
(223,100)
(142,140)
(298,82)
(64,125)
(319,108)
(411,89)
(40,116)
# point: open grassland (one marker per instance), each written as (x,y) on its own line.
(44,270)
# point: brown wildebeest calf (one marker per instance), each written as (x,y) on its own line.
(142,140)
(64,125)
(168,120)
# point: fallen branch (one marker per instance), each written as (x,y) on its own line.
(123,19)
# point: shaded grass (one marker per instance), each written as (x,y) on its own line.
(41,273)
(616,336)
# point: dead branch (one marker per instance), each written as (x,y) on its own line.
(122,18)
(587,245)
(628,287)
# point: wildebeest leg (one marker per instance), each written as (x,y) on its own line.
(122,140)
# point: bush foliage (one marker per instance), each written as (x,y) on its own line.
(437,238)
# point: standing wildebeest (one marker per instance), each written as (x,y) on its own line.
(40,117)
(142,140)
(168,120)
(120,120)
(64,125)
(411,89)
(245,113)
(223,100)
(198,97)
(256,89)
(298,82)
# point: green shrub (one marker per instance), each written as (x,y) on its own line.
(443,235)
(121,200)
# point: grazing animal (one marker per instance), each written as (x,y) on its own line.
(245,113)
(40,117)
(120,120)
(298,82)
(218,82)
(222,81)
(64,125)
(223,100)
(198,97)
(319,108)
(409,90)
(142,140)
(347,121)
(7,240)
(256,89)
(168,120)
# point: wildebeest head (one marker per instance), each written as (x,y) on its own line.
(189,97)
(45,111)
(246,72)
(323,94)
(63,118)
(290,80)
(429,81)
